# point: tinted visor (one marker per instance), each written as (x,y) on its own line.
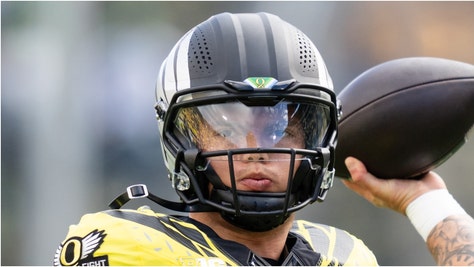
(233,125)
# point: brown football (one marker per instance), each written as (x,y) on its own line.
(405,117)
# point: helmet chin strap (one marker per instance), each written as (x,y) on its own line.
(256,223)
(252,211)
(250,222)
(141,191)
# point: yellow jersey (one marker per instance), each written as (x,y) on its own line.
(143,237)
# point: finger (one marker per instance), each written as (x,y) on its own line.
(357,172)
(356,168)
(360,175)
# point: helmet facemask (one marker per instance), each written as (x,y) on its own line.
(244,67)
(256,158)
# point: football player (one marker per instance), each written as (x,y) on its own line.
(248,122)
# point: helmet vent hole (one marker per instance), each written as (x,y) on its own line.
(199,57)
(306,55)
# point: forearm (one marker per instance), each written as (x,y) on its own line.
(445,226)
(441,221)
(451,242)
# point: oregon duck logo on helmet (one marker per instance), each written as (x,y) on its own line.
(261,82)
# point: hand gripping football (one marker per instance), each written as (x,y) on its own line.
(405,117)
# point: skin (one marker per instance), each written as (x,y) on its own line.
(260,172)
(252,176)
(451,242)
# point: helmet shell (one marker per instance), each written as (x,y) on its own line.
(237,46)
(229,49)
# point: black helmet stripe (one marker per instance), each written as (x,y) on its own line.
(254,36)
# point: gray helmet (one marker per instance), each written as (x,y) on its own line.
(240,75)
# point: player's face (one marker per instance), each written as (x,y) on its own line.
(254,127)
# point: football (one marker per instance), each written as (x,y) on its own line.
(405,117)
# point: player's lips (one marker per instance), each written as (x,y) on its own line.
(256,183)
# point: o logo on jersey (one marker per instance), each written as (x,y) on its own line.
(79,250)
(71,251)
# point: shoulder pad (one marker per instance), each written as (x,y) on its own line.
(336,246)
(136,237)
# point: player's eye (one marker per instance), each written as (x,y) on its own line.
(225,132)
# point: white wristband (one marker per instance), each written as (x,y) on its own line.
(429,209)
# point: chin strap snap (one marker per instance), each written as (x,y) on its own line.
(133,191)
(141,191)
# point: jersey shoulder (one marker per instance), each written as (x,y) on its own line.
(136,237)
(336,246)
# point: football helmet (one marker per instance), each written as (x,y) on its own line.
(240,91)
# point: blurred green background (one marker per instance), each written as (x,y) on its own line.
(78,123)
